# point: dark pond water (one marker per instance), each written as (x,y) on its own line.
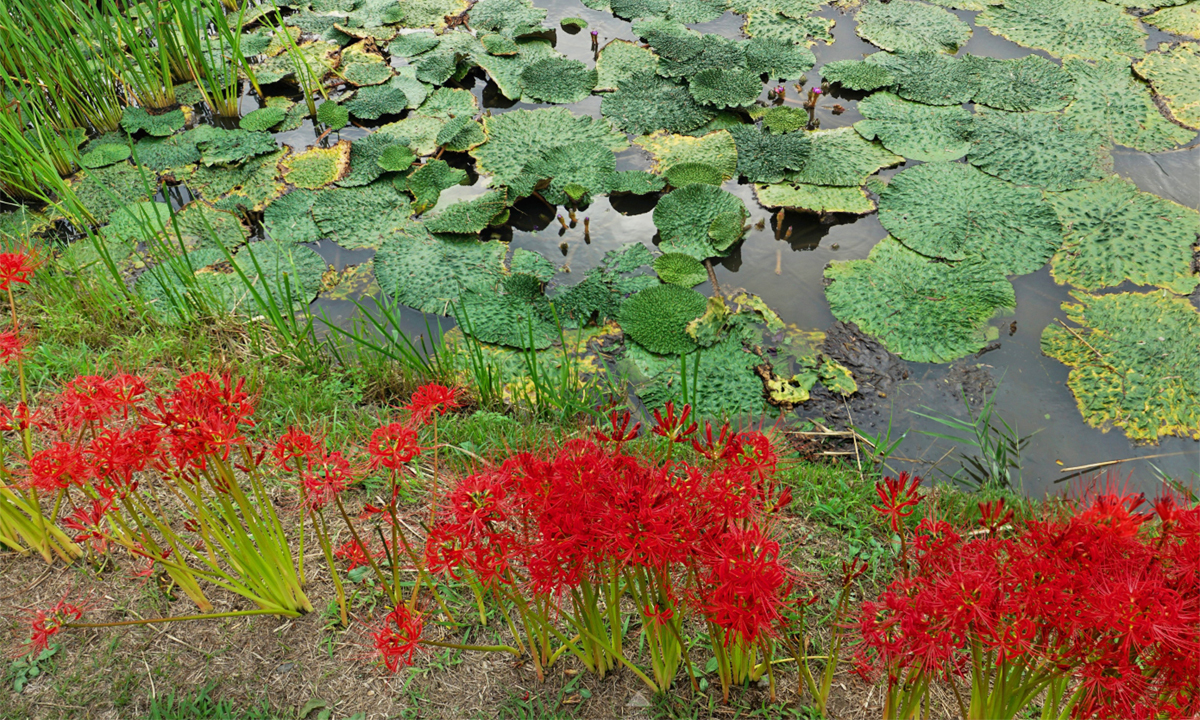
(1031,393)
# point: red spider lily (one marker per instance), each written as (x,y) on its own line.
(896,496)
(432,398)
(354,553)
(399,637)
(58,467)
(853,570)
(88,521)
(203,418)
(676,429)
(21,418)
(85,400)
(12,347)
(657,615)
(294,444)
(326,478)
(746,584)
(115,456)
(715,449)
(16,268)
(992,515)
(48,623)
(620,431)
(754,453)
(393,446)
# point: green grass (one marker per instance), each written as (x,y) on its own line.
(200,705)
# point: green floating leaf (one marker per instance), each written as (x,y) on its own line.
(1117,106)
(243,188)
(262,119)
(776,26)
(1086,29)
(637,182)
(684,216)
(362,74)
(643,103)
(527,262)
(679,269)
(1114,233)
(1180,20)
(469,217)
(1174,73)
(410,45)
(573,24)
(138,222)
(427,273)
(317,167)
(784,119)
(289,218)
(723,88)
(765,158)
(778,59)
(955,212)
(500,45)
(920,309)
(717,150)
(685,174)
(588,165)
(427,182)
(906,26)
(395,158)
(843,158)
(361,217)
(135,118)
(235,146)
(365,155)
(516,136)
(418,132)
(507,17)
(506,71)
(558,80)
(104,155)
(446,103)
(372,103)
(1037,149)
(1021,84)
(857,74)
(333,115)
(620,59)
(105,190)
(929,77)
(914,130)
(200,225)
(406,80)
(507,318)
(657,318)
(726,229)
(431,13)
(815,198)
(1133,362)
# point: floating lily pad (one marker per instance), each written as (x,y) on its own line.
(815,198)
(246,187)
(501,45)
(235,146)
(684,217)
(778,59)
(104,155)
(105,190)
(724,385)
(557,80)
(515,137)
(955,212)
(262,119)
(427,182)
(507,17)
(352,282)
(784,119)
(289,218)
(333,115)
(1037,149)
(361,217)
(1021,84)
(723,88)
(644,102)
(1086,29)
(776,26)
(431,13)
(906,26)
(843,158)
(573,24)
(1113,103)
(1113,232)
(200,225)
(857,74)
(657,318)
(1174,73)
(1133,362)
(372,103)
(135,118)
(138,222)
(365,156)
(1180,20)
(929,77)
(587,165)
(506,71)
(418,132)
(461,134)
(683,54)
(914,130)
(619,59)
(679,269)
(527,262)
(406,79)
(361,74)
(717,150)
(320,57)
(427,273)
(507,318)
(765,158)
(410,45)
(317,167)
(278,270)
(920,309)
(446,103)
(685,174)
(470,216)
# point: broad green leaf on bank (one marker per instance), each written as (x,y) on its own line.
(907,26)
(914,130)
(317,167)
(717,150)
(842,158)
(1113,103)
(1114,232)
(1133,362)
(687,217)
(1174,73)
(922,310)
(1038,149)
(645,102)
(517,136)
(427,273)
(815,198)
(1087,29)
(724,385)
(955,212)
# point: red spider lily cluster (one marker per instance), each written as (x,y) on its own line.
(1097,608)
(46,624)
(571,532)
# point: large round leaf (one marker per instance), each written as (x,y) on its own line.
(1113,103)
(685,220)
(1068,28)
(906,26)
(1037,149)
(657,318)
(914,130)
